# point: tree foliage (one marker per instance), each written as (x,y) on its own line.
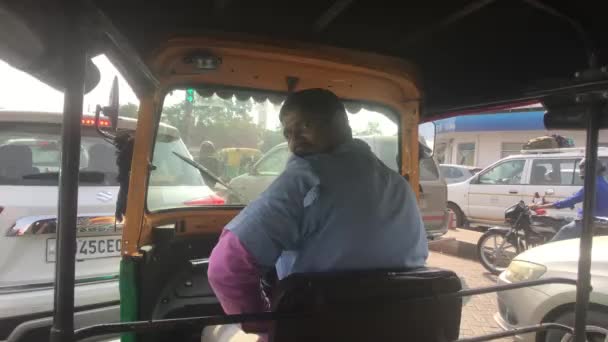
(128,110)
(270,139)
(224,122)
(373,128)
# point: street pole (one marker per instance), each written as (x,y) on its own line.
(583,285)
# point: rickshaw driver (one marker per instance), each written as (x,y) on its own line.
(335,207)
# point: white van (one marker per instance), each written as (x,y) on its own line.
(432,197)
(30,150)
(552,174)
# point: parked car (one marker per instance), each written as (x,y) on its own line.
(432,197)
(552,174)
(30,150)
(555,302)
(453,173)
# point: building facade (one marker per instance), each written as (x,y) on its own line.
(480,140)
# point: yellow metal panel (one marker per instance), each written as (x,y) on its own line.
(136,200)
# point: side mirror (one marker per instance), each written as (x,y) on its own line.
(111,110)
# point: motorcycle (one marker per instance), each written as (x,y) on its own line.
(529,228)
(499,245)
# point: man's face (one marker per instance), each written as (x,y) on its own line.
(305,134)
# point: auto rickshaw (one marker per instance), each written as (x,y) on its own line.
(165,250)
(235,161)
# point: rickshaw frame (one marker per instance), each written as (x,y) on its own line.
(63,325)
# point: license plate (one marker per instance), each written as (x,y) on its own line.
(93,247)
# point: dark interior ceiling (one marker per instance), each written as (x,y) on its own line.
(469,52)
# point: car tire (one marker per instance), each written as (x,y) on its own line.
(595,319)
(461,220)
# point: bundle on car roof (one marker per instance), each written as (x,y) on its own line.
(548,142)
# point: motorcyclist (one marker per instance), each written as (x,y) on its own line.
(574,229)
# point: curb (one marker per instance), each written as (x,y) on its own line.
(453,247)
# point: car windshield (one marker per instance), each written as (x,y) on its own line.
(230,135)
(30,155)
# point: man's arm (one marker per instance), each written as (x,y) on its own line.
(565,203)
(570,201)
(235,280)
(234,276)
(547,205)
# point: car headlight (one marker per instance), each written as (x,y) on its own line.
(522,271)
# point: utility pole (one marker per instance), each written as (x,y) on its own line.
(188,121)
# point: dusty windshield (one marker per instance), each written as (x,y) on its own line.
(234,142)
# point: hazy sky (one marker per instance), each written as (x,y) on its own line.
(20,91)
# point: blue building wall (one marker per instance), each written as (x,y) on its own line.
(512,121)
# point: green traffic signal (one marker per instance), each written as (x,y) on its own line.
(190,95)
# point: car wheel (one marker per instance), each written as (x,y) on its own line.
(461,220)
(596,322)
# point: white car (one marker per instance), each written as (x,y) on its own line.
(552,174)
(554,302)
(453,173)
(432,197)
(29,165)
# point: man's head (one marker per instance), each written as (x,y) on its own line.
(207,149)
(314,121)
(599,168)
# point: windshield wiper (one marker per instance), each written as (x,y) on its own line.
(83,176)
(208,173)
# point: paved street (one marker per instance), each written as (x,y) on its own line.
(478,311)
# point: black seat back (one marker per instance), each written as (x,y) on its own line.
(369,306)
(102,158)
(16,161)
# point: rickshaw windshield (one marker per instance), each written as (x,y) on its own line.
(236,142)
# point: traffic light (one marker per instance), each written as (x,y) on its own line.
(190,95)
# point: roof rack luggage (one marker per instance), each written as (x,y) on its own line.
(578,150)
